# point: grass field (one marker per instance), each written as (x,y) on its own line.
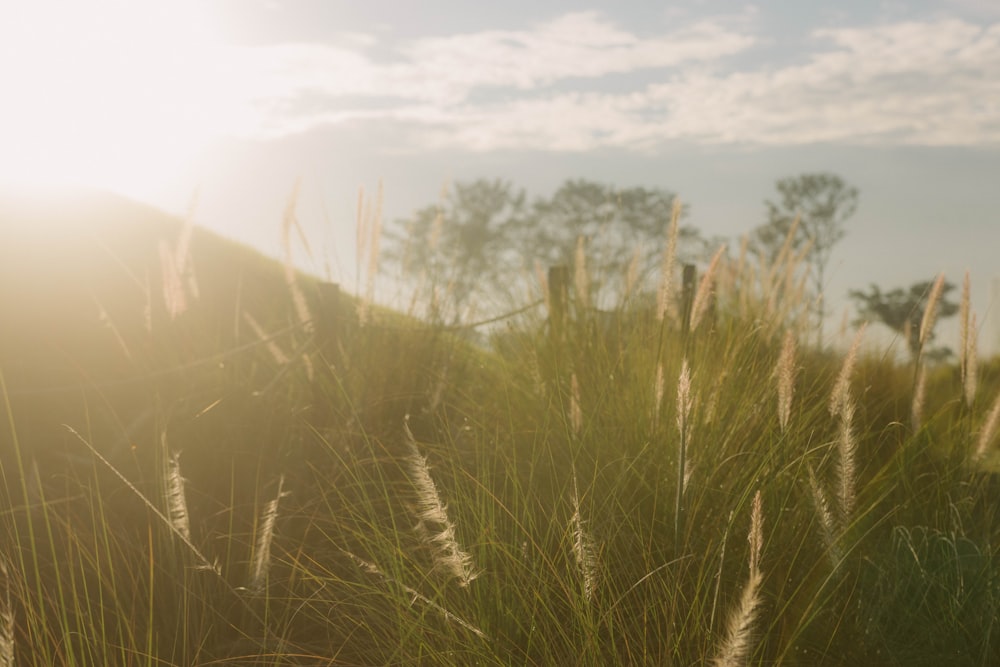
(304,486)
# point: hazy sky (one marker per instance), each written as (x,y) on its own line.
(713,100)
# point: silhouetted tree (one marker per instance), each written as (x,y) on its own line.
(902,310)
(822,202)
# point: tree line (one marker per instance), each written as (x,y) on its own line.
(483,239)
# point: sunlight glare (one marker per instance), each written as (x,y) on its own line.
(113,94)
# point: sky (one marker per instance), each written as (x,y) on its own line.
(223,106)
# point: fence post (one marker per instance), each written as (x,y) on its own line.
(558,297)
(688,283)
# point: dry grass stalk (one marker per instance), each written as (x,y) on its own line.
(431,510)
(971,364)
(581,281)
(6,619)
(174,296)
(785,372)
(989,429)
(736,647)
(705,289)
(204,563)
(684,403)
(846,462)
(842,386)
(930,312)
(371,568)
(289,223)
(176,501)
(632,273)
(967,354)
(827,524)
(265,535)
(963,322)
(584,550)
(919,396)
(684,399)
(658,390)
(273,348)
(664,301)
(575,411)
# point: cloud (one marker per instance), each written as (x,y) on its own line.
(549,87)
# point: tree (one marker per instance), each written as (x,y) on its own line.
(462,245)
(482,236)
(618,227)
(902,310)
(822,203)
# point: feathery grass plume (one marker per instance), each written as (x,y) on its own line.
(846,462)
(705,289)
(967,360)
(448,555)
(581,281)
(371,568)
(575,411)
(684,402)
(664,300)
(971,364)
(205,563)
(182,251)
(930,312)
(265,535)
(827,524)
(963,322)
(658,389)
(177,508)
(6,618)
(736,647)
(989,429)
(842,386)
(583,547)
(785,372)
(919,396)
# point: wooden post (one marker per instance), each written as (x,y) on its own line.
(558,298)
(688,286)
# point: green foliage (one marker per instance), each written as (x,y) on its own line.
(821,203)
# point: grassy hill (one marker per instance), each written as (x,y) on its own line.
(251,486)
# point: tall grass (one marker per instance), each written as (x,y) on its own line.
(530,500)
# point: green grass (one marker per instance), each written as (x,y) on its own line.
(551,467)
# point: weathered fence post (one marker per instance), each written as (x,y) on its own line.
(688,283)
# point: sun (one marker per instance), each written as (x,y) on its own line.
(114,94)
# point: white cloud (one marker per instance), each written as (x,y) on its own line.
(929,83)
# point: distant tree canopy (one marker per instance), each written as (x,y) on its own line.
(822,203)
(902,310)
(482,237)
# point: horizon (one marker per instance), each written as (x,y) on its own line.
(713,102)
